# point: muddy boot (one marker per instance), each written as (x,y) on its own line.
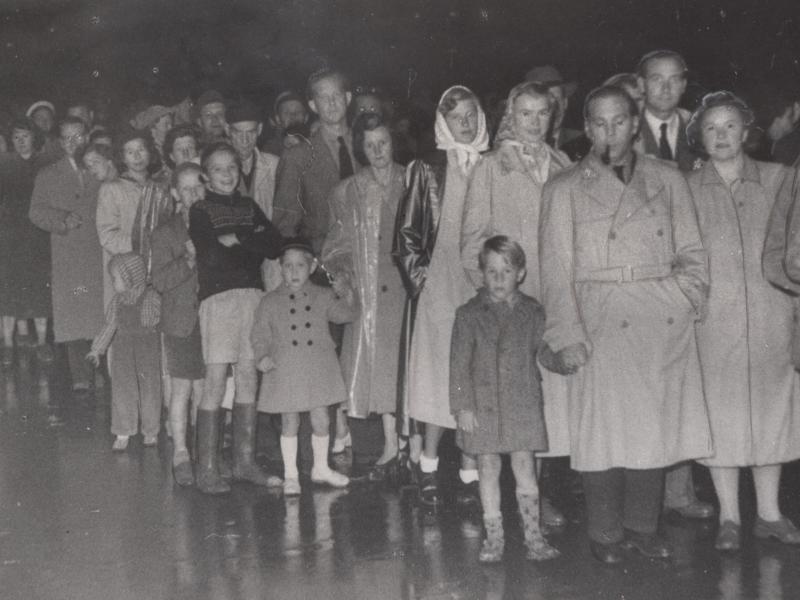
(493,545)
(538,548)
(207,477)
(244,445)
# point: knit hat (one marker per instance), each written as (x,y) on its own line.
(40,104)
(549,76)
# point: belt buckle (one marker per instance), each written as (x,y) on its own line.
(626,274)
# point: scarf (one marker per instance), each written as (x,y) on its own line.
(466,154)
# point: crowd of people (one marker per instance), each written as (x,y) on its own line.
(624,296)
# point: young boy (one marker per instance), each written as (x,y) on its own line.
(294,349)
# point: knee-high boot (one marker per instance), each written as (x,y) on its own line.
(244,444)
(207,477)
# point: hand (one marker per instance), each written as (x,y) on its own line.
(573,357)
(73,221)
(266,364)
(94,358)
(341,286)
(466,421)
(228,239)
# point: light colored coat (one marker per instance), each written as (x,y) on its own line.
(77,264)
(624,273)
(752,389)
(504,197)
(117,204)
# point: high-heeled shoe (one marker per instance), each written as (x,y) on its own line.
(383,471)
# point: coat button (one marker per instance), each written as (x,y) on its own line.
(294,342)
(308,325)
(310,343)
(670,321)
(294,327)
(292,311)
(291,296)
(384,288)
(660,232)
(308,308)
(612,235)
(624,324)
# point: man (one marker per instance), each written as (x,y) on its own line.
(43,113)
(158,121)
(289,114)
(624,277)
(84,112)
(64,202)
(778,114)
(569,141)
(662,78)
(210,109)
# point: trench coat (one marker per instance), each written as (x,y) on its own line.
(359,245)
(495,374)
(752,389)
(504,197)
(624,272)
(76,256)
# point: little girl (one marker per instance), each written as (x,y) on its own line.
(495,392)
(294,349)
(130,326)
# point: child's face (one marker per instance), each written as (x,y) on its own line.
(500,277)
(296,268)
(222,173)
(118,282)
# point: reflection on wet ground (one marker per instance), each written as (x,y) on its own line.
(78,522)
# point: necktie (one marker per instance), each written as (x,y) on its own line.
(664,151)
(620,171)
(345,164)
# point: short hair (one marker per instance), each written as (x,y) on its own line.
(366,122)
(455,95)
(622,79)
(772,98)
(174,134)
(129,136)
(103,150)
(505,247)
(531,88)
(657,55)
(213,149)
(186,167)
(716,100)
(304,251)
(609,91)
(286,96)
(26,124)
(325,73)
(67,121)
(100,133)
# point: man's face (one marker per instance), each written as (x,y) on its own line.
(43,117)
(83,113)
(291,112)
(189,189)
(212,120)
(663,83)
(72,138)
(330,101)
(611,126)
(184,149)
(243,136)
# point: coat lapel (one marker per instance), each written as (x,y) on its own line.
(599,183)
(638,193)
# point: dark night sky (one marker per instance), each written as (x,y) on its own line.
(119,51)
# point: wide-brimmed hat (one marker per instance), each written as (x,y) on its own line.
(549,76)
(150,116)
(40,104)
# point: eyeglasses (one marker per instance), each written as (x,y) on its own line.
(74,138)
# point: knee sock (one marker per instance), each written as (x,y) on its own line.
(468,475)
(319,446)
(289,452)
(529,511)
(428,465)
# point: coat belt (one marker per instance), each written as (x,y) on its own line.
(624,274)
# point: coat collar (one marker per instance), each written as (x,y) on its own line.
(710,176)
(365,178)
(510,160)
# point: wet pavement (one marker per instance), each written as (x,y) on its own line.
(79,522)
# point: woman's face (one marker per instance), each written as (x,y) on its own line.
(378,147)
(463,121)
(23,142)
(723,133)
(136,156)
(44,119)
(222,173)
(99,166)
(531,118)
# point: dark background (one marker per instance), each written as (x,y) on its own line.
(121,51)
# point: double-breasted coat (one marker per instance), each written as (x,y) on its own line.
(291,328)
(359,244)
(751,386)
(505,197)
(624,273)
(495,374)
(77,263)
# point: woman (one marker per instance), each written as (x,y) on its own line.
(504,197)
(427,236)
(752,389)
(359,247)
(24,248)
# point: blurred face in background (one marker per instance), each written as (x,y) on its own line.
(184,149)
(72,137)
(83,113)
(212,120)
(189,189)
(44,119)
(367,103)
(244,135)
(291,112)
(99,166)
(160,128)
(23,142)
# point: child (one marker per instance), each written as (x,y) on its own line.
(495,394)
(131,322)
(294,349)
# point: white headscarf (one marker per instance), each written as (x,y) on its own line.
(466,154)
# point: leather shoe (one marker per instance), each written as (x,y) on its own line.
(783,530)
(728,536)
(610,554)
(649,545)
(551,516)
(694,510)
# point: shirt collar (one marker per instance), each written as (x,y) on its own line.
(655,123)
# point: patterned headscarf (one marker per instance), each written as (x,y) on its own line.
(466,154)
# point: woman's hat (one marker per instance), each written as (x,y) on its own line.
(549,76)
(40,104)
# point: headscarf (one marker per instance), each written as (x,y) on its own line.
(466,154)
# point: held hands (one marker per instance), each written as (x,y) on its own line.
(266,364)
(342,288)
(72,221)
(572,357)
(94,358)
(466,421)
(228,239)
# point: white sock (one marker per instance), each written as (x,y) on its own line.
(428,465)
(319,445)
(289,452)
(468,475)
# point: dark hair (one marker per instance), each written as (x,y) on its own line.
(27,124)
(657,55)
(100,133)
(609,91)
(325,73)
(174,134)
(366,122)
(67,121)
(182,168)
(716,100)
(212,149)
(103,150)
(505,247)
(622,79)
(129,136)
(772,99)
(454,96)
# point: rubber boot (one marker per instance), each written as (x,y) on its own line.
(244,446)
(493,545)
(207,477)
(538,548)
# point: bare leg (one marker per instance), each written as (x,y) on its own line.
(214,387)
(178,416)
(767,479)
(40,323)
(726,485)
(389,438)
(433,435)
(8,331)
(22,327)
